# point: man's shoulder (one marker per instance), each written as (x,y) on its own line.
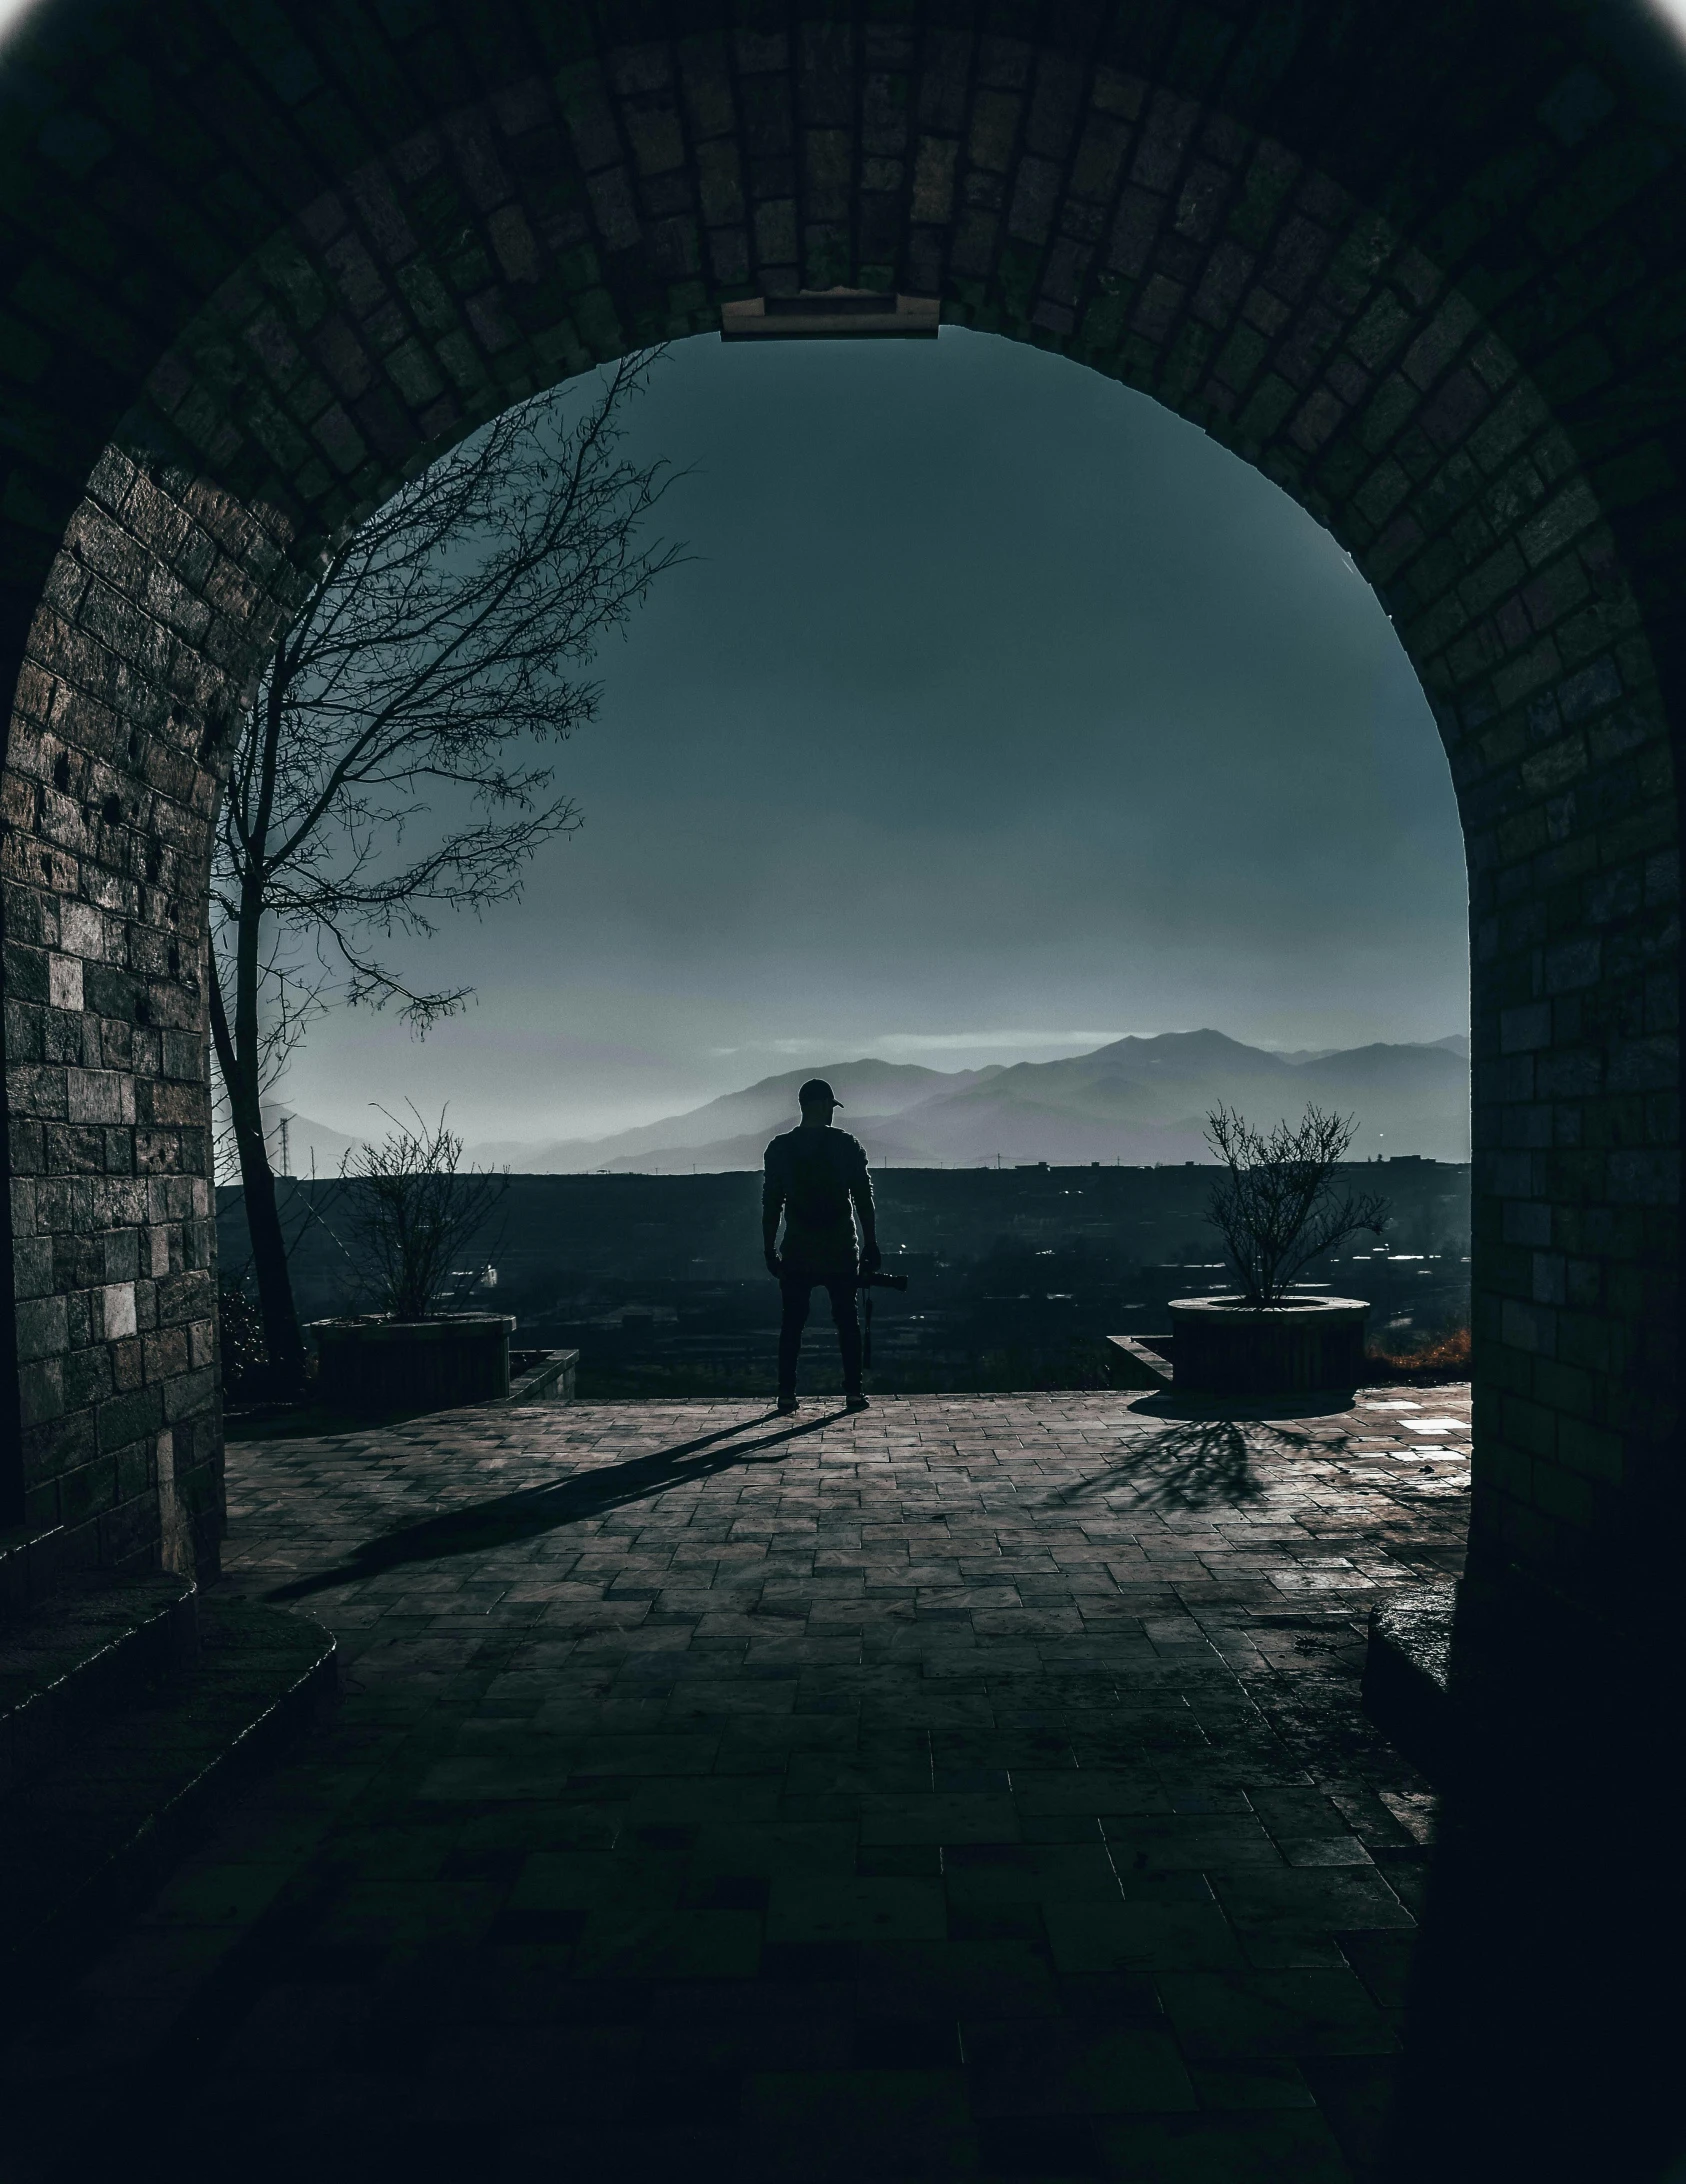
(850,1147)
(780,1145)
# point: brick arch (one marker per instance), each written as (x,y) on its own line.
(1427,287)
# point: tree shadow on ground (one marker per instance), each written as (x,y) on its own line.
(534,1510)
(1198,1464)
(1204,1458)
(1195,1465)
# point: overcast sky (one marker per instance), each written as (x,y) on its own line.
(1000,713)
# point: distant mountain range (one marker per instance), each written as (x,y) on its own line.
(884,1088)
(1139,1101)
(879,1089)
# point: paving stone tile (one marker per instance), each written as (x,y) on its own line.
(992,1873)
(928,1795)
(1095,1790)
(474,1779)
(1321,1850)
(812,2127)
(1309,1899)
(534,2071)
(1054,2066)
(938,1817)
(1356,2095)
(1261,2083)
(1220,2015)
(833,1907)
(1039,2146)
(1141,1936)
(1184,1841)
(990,1977)
(1269,2146)
(671,1944)
(1383,1962)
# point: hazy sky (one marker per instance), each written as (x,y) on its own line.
(1001,712)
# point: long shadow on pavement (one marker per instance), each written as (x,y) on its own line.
(1204,1457)
(537,1509)
(1200,1464)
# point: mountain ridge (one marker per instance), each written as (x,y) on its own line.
(1139,1100)
(772,1097)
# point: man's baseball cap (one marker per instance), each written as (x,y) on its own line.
(817,1093)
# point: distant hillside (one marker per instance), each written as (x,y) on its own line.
(1140,1101)
(864,1087)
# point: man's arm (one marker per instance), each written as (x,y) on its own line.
(860,1191)
(772,1205)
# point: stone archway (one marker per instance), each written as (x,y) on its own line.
(261,268)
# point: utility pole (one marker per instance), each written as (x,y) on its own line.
(286,1157)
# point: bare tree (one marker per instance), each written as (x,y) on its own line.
(385,770)
(1277,1208)
(410,1208)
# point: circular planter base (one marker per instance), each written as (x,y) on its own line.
(1223,1347)
(384,1364)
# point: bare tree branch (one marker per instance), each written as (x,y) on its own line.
(387,770)
(1277,1209)
(410,1209)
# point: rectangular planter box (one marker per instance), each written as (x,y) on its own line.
(380,1364)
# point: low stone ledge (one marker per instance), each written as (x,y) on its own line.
(86,1652)
(1469,1679)
(542,1376)
(1407,1689)
(32,1562)
(90,1837)
(1142,1362)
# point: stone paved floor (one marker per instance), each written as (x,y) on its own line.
(972,1788)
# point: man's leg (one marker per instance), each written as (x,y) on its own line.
(793,1292)
(844,1313)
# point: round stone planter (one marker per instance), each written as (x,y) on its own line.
(1222,1347)
(434,1364)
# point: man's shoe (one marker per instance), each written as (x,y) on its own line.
(857,1402)
(787,1403)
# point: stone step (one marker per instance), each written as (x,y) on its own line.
(89,1650)
(1473,1680)
(1407,1675)
(30,1565)
(90,1836)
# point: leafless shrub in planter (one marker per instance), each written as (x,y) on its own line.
(410,1209)
(1277,1208)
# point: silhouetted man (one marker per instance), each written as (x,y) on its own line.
(817,1178)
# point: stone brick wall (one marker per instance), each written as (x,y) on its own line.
(128,692)
(1421,271)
